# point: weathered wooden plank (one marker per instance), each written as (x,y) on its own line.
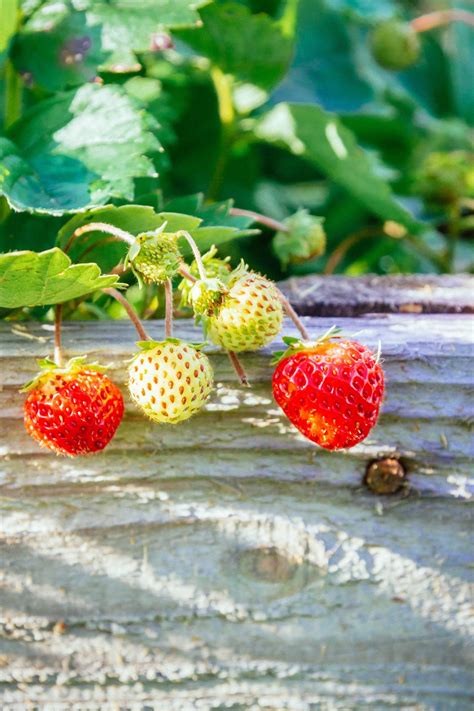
(227,563)
(315,295)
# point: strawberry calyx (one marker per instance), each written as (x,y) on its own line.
(49,368)
(150,344)
(297,345)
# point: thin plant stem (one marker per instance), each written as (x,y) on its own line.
(168,309)
(431,20)
(58,354)
(13,94)
(262,219)
(196,252)
(291,313)
(100,227)
(187,275)
(342,249)
(238,367)
(222,86)
(452,235)
(131,313)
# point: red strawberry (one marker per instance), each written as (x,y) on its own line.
(331,390)
(72,410)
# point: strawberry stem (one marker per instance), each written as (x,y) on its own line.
(196,252)
(262,219)
(238,367)
(187,275)
(168,309)
(431,20)
(131,313)
(58,355)
(101,227)
(291,313)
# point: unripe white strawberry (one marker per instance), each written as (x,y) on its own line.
(170,380)
(250,315)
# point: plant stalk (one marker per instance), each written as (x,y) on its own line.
(58,354)
(100,227)
(222,86)
(431,20)
(131,313)
(291,313)
(196,252)
(238,367)
(168,309)
(262,219)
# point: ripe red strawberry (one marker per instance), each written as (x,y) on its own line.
(331,390)
(72,410)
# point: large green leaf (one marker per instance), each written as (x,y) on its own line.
(320,138)
(65,54)
(77,150)
(131,24)
(43,278)
(325,69)
(251,47)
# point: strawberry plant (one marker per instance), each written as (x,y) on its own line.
(297,136)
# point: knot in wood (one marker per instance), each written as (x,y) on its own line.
(385,476)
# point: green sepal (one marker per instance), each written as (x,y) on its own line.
(296,345)
(49,367)
(151,344)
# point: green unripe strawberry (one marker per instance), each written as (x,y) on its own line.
(304,240)
(250,315)
(446,178)
(217,270)
(395,45)
(155,256)
(170,380)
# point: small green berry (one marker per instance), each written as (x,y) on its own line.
(446,178)
(155,257)
(395,45)
(304,240)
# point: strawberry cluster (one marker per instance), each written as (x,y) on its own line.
(330,389)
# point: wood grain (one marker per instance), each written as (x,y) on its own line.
(228,563)
(315,295)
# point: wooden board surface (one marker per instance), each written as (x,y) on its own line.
(315,295)
(228,563)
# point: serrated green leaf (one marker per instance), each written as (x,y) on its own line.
(67,54)
(320,138)
(251,47)
(131,24)
(76,150)
(44,278)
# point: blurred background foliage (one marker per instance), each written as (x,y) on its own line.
(277,105)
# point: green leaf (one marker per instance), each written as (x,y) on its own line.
(370,9)
(325,69)
(251,47)
(460,39)
(320,138)
(76,150)
(217,226)
(67,54)
(9,22)
(44,278)
(131,24)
